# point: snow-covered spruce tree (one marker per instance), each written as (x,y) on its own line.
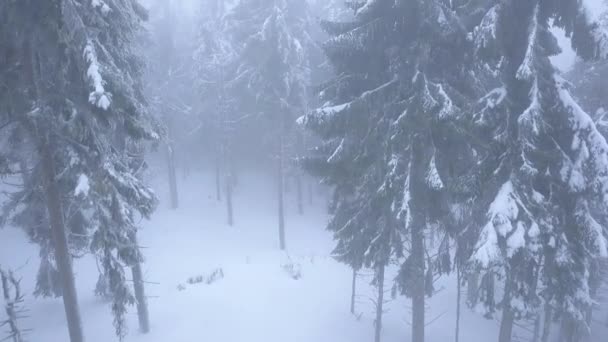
(391,148)
(76,88)
(271,74)
(215,60)
(542,203)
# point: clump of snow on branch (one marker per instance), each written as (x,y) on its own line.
(590,167)
(101,5)
(98,97)
(82,187)
(503,212)
(433,180)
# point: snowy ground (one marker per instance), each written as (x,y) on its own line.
(256,300)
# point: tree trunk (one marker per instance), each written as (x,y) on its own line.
(417,196)
(62,254)
(140,295)
(418,293)
(508,316)
(506,325)
(280,181)
(230,217)
(172,176)
(310,194)
(218,176)
(548,320)
(568,329)
(472,289)
(299,194)
(379,304)
(536,333)
(458,299)
(353,292)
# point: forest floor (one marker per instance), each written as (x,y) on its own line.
(257,299)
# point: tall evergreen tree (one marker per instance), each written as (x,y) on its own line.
(390,138)
(76,91)
(215,59)
(271,74)
(543,195)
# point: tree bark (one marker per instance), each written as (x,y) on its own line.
(417,195)
(229,209)
(508,316)
(353,292)
(281,210)
(172,176)
(310,194)
(458,300)
(472,288)
(299,194)
(140,296)
(62,254)
(547,323)
(418,319)
(379,304)
(536,334)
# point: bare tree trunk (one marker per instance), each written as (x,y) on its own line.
(354,292)
(472,288)
(280,181)
(172,176)
(568,329)
(310,194)
(548,320)
(299,194)
(218,174)
(536,334)
(417,193)
(458,300)
(508,317)
(506,325)
(140,295)
(379,303)
(62,254)
(418,319)
(229,209)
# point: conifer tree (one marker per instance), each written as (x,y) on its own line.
(391,147)
(543,195)
(76,87)
(270,74)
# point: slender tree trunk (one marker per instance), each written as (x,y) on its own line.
(281,182)
(62,255)
(229,210)
(508,317)
(172,176)
(140,295)
(472,288)
(417,195)
(458,300)
(299,194)
(218,174)
(548,320)
(310,194)
(536,333)
(379,304)
(353,292)
(568,329)
(418,309)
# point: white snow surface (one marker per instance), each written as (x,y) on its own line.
(257,300)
